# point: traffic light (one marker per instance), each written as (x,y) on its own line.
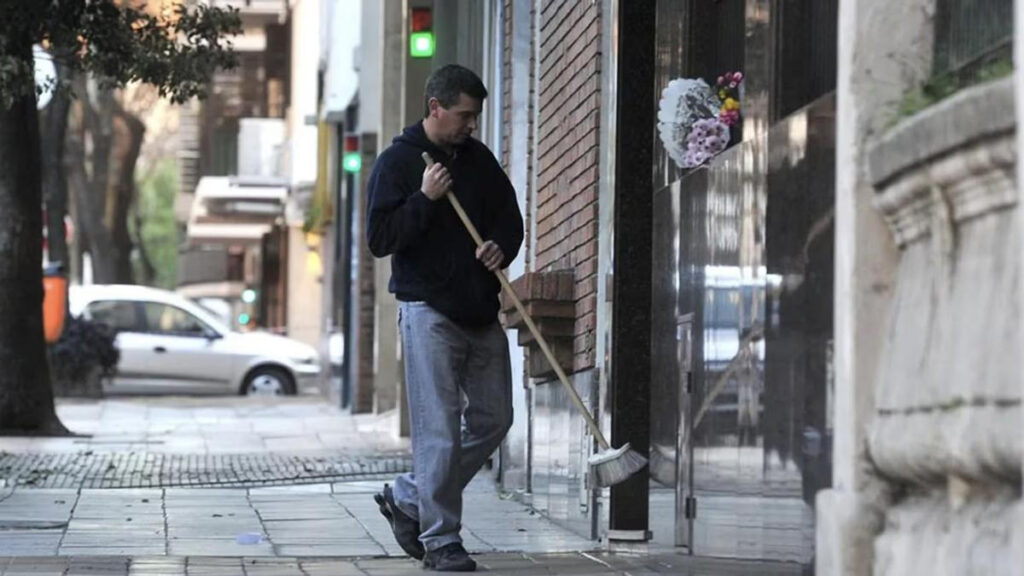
(244,319)
(421,33)
(352,160)
(248,296)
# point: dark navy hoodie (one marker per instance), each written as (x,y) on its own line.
(433,256)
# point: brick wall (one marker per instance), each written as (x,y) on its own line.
(567,157)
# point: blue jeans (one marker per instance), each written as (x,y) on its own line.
(459,384)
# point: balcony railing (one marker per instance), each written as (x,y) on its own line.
(968,33)
(209,265)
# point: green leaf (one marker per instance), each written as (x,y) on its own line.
(117,43)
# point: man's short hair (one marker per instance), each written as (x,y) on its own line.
(447,82)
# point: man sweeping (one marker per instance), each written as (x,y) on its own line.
(457,373)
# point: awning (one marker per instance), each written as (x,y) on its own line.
(226,187)
(249,233)
(234,203)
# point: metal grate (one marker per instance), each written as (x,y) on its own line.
(158,470)
(969,32)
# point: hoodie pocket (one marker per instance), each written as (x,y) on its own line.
(424,267)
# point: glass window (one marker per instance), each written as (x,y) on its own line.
(165,319)
(118,315)
(970,34)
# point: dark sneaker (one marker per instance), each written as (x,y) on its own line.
(407,530)
(449,558)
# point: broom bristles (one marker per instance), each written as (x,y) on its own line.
(610,467)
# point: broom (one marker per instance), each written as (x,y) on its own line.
(609,466)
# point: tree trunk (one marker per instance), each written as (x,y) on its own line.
(147,269)
(128,136)
(104,195)
(26,396)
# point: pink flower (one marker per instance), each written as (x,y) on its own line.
(729,117)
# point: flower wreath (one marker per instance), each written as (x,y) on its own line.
(694,119)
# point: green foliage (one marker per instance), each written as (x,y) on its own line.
(941,86)
(159,233)
(314,221)
(118,44)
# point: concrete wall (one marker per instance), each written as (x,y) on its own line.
(302,137)
(304,311)
(304,265)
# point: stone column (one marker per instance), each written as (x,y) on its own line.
(1017,556)
(945,432)
(928,305)
(876,66)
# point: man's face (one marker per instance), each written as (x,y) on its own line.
(458,122)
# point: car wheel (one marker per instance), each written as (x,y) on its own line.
(268,382)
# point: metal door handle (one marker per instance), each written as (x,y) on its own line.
(159,349)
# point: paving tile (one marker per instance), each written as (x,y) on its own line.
(368,548)
(390,567)
(336,526)
(210,515)
(272,567)
(213,533)
(369,487)
(31,551)
(113,525)
(36,566)
(314,567)
(111,540)
(317,488)
(306,513)
(220,547)
(156,566)
(110,550)
(173,492)
(318,540)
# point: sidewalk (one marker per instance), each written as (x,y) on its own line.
(291,521)
(574,564)
(254,486)
(215,425)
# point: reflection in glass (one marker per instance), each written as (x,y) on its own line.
(743,253)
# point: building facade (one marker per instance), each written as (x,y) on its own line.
(756,324)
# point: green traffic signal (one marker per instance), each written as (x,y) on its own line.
(352,162)
(421,44)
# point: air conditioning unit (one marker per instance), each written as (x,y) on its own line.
(260,141)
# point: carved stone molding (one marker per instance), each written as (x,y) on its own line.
(950,163)
(946,431)
(948,403)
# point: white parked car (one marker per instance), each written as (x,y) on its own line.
(169,344)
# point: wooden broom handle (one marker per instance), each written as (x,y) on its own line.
(511,293)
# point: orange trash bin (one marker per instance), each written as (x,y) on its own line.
(55,302)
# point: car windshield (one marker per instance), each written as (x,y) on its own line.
(208,316)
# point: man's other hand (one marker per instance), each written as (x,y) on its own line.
(490,255)
(436,181)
